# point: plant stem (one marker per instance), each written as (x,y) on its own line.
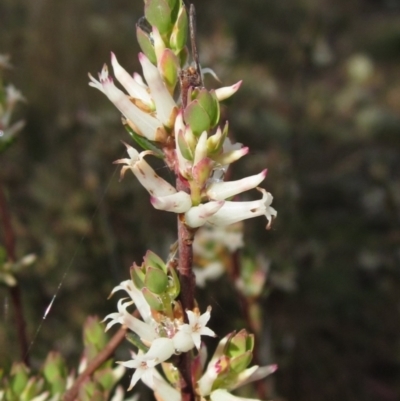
(186,297)
(99,359)
(9,242)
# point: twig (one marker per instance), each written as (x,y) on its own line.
(9,242)
(98,360)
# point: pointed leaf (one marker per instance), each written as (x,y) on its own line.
(184,147)
(169,66)
(197,118)
(158,13)
(240,363)
(179,32)
(156,280)
(153,260)
(153,300)
(146,44)
(137,276)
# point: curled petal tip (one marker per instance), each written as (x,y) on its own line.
(238,85)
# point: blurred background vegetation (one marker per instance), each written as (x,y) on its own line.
(319,106)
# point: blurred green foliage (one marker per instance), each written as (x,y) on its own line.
(319,107)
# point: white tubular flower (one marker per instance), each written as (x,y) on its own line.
(144,124)
(197,326)
(135,90)
(146,175)
(163,391)
(137,297)
(179,202)
(201,149)
(231,156)
(199,215)
(232,212)
(144,330)
(142,365)
(165,105)
(227,91)
(161,349)
(227,189)
(252,374)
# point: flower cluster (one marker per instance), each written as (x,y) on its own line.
(187,136)
(161,331)
(186,133)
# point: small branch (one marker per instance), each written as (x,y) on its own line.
(9,242)
(98,360)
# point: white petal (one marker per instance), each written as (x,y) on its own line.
(227,189)
(232,212)
(161,349)
(198,215)
(137,297)
(253,374)
(183,341)
(146,125)
(146,175)
(227,91)
(201,148)
(180,202)
(165,392)
(165,104)
(136,377)
(231,156)
(132,87)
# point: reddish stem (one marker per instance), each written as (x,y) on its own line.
(188,283)
(98,360)
(9,242)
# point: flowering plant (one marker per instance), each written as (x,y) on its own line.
(185,132)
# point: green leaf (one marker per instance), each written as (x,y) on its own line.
(156,280)
(134,339)
(179,33)
(151,259)
(168,65)
(241,362)
(158,13)
(137,276)
(146,44)
(197,118)
(153,300)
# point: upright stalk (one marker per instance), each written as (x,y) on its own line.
(187,283)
